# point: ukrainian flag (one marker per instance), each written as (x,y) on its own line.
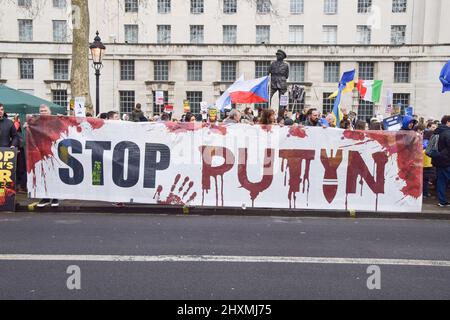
(347,78)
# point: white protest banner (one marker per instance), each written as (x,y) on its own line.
(80,108)
(159,98)
(200,164)
(284,100)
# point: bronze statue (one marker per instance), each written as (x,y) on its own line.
(279,72)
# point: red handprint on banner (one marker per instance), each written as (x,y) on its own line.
(177,198)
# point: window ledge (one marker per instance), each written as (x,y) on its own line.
(56,81)
(150,82)
(223,82)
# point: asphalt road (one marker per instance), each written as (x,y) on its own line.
(179,257)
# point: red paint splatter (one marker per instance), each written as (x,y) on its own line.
(173,198)
(297,132)
(182,127)
(294,166)
(408,147)
(266,127)
(209,171)
(43,132)
(256,188)
(354,135)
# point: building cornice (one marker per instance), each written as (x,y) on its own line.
(228,52)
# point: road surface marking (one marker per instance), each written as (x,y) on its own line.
(225,259)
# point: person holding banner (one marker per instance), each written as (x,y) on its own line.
(44,110)
(233,118)
(442,161)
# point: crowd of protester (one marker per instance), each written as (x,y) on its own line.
(436,172)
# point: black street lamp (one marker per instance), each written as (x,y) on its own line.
(97,52)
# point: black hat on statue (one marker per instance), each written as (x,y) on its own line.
(282,53)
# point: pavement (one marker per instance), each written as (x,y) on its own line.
(129,256)
(24,204)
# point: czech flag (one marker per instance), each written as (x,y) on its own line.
(251,91)
(224,102)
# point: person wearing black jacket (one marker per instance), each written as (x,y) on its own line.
(8,132)
(442,161)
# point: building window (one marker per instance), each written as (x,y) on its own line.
(365,110)
(229,34)
(161,71)
(127,101)
(228,71)
(297,6)
(402,100)
(364,6)
(402,72)
(263,6)
(327,104)
(366,71)
(197,34)
(330,6)
(131,33)
(159,109)
(261,69)
(262,34)
(61,69)
(25,30)
(127,70)
(24,3)
(398,35)
(59,31)
(194,72)
(399,6)
(60,97)
(59,4)
(164,6)
(26,68)
(197,6)
(330,34)
(364,35)
(296,34)
(297,71)
(229,6)
(164,34)
(331,73)
(194,98)
(131,5)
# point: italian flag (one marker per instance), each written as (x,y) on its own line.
(370,90)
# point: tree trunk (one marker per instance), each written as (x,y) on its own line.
(80,53)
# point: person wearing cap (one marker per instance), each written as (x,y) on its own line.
(408,123)
(279,72)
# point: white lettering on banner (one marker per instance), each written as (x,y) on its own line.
(232,166)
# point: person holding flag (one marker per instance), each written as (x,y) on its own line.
(347,77)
